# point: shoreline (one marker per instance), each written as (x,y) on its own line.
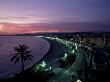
(49,57)
(44,48)
(56,51)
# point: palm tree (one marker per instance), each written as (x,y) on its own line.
(21,53)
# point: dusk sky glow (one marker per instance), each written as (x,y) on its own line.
(28,16)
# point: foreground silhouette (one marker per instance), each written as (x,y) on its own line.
(21,53)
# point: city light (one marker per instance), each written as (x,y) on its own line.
(78,80)
(65,55)
(43,64)
(73,51)
(50,68)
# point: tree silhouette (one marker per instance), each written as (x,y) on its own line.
(21,53)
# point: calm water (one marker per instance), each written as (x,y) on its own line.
(38,47)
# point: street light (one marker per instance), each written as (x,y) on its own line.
(78,80)
(43,64)
(65,55)
(73,51)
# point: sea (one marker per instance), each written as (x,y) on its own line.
(38,47)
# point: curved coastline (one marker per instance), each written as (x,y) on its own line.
(41,57)
(56,51)
(42,51)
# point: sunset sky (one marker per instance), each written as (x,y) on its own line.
(31,16)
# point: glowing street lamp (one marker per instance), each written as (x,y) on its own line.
(76,46)
(50,68)
(65,55)
(73,51)
(78,80)
(43,64)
